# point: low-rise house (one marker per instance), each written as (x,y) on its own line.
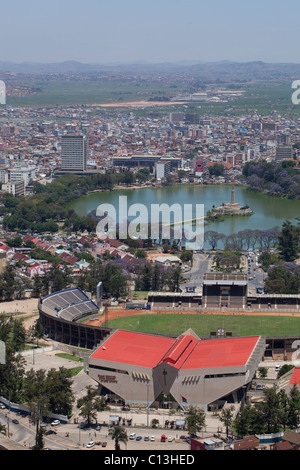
(168,260)
(247,443)
(33,271)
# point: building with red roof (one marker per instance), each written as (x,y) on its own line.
(295,379)
(141,368)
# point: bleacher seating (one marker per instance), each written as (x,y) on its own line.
(70,304)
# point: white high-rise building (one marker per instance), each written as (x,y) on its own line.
(73,152)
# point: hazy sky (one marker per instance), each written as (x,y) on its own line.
(98,31)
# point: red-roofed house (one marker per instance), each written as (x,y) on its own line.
(68,258)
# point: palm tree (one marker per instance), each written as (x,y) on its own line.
(119,434)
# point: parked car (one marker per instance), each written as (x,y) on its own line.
(152,438)
(90,444)
(104,444)
(146,438)
(139,438)
(15,421)
(132,436)
(55,422)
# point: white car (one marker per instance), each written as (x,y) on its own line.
(152,438)
(132,436)
(90,444)
(55,422)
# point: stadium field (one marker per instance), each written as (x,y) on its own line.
(239,324)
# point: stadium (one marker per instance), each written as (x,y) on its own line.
(150,369)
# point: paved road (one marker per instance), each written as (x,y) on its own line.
(256,276)
(200,266)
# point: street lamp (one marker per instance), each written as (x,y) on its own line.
(148,402)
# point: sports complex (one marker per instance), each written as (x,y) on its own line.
(163,370)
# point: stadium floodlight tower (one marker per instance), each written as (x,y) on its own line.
(99,293)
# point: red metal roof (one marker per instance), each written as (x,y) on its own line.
(139,349)
(295,379)
(180,350)
(221,353)
(185,352)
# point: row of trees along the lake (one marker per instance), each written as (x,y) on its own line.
(277,178)
(45,209)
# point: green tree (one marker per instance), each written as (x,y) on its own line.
(35,396)
(288,241)
(58,386)
(18,334)
(217,169)
(226,417)
(293,419)
(156,278)
(270,410)
(90,404)
(186,255)
(195,420)
(12,371)
(119,434)
(154,423)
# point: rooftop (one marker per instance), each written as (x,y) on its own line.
(184,352)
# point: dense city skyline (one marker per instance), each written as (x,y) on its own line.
(98,32)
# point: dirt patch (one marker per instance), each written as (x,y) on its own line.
(26,309)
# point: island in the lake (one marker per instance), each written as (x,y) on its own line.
(231,208)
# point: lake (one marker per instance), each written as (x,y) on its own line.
(268,211)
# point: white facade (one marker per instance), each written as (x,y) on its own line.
(25,174)
(16,189)
(162,170)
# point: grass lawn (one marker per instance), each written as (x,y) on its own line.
(239,325)
(69,356)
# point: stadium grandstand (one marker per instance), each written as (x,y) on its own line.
(59,314)
(70,304)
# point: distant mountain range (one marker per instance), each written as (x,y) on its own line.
(201,70)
